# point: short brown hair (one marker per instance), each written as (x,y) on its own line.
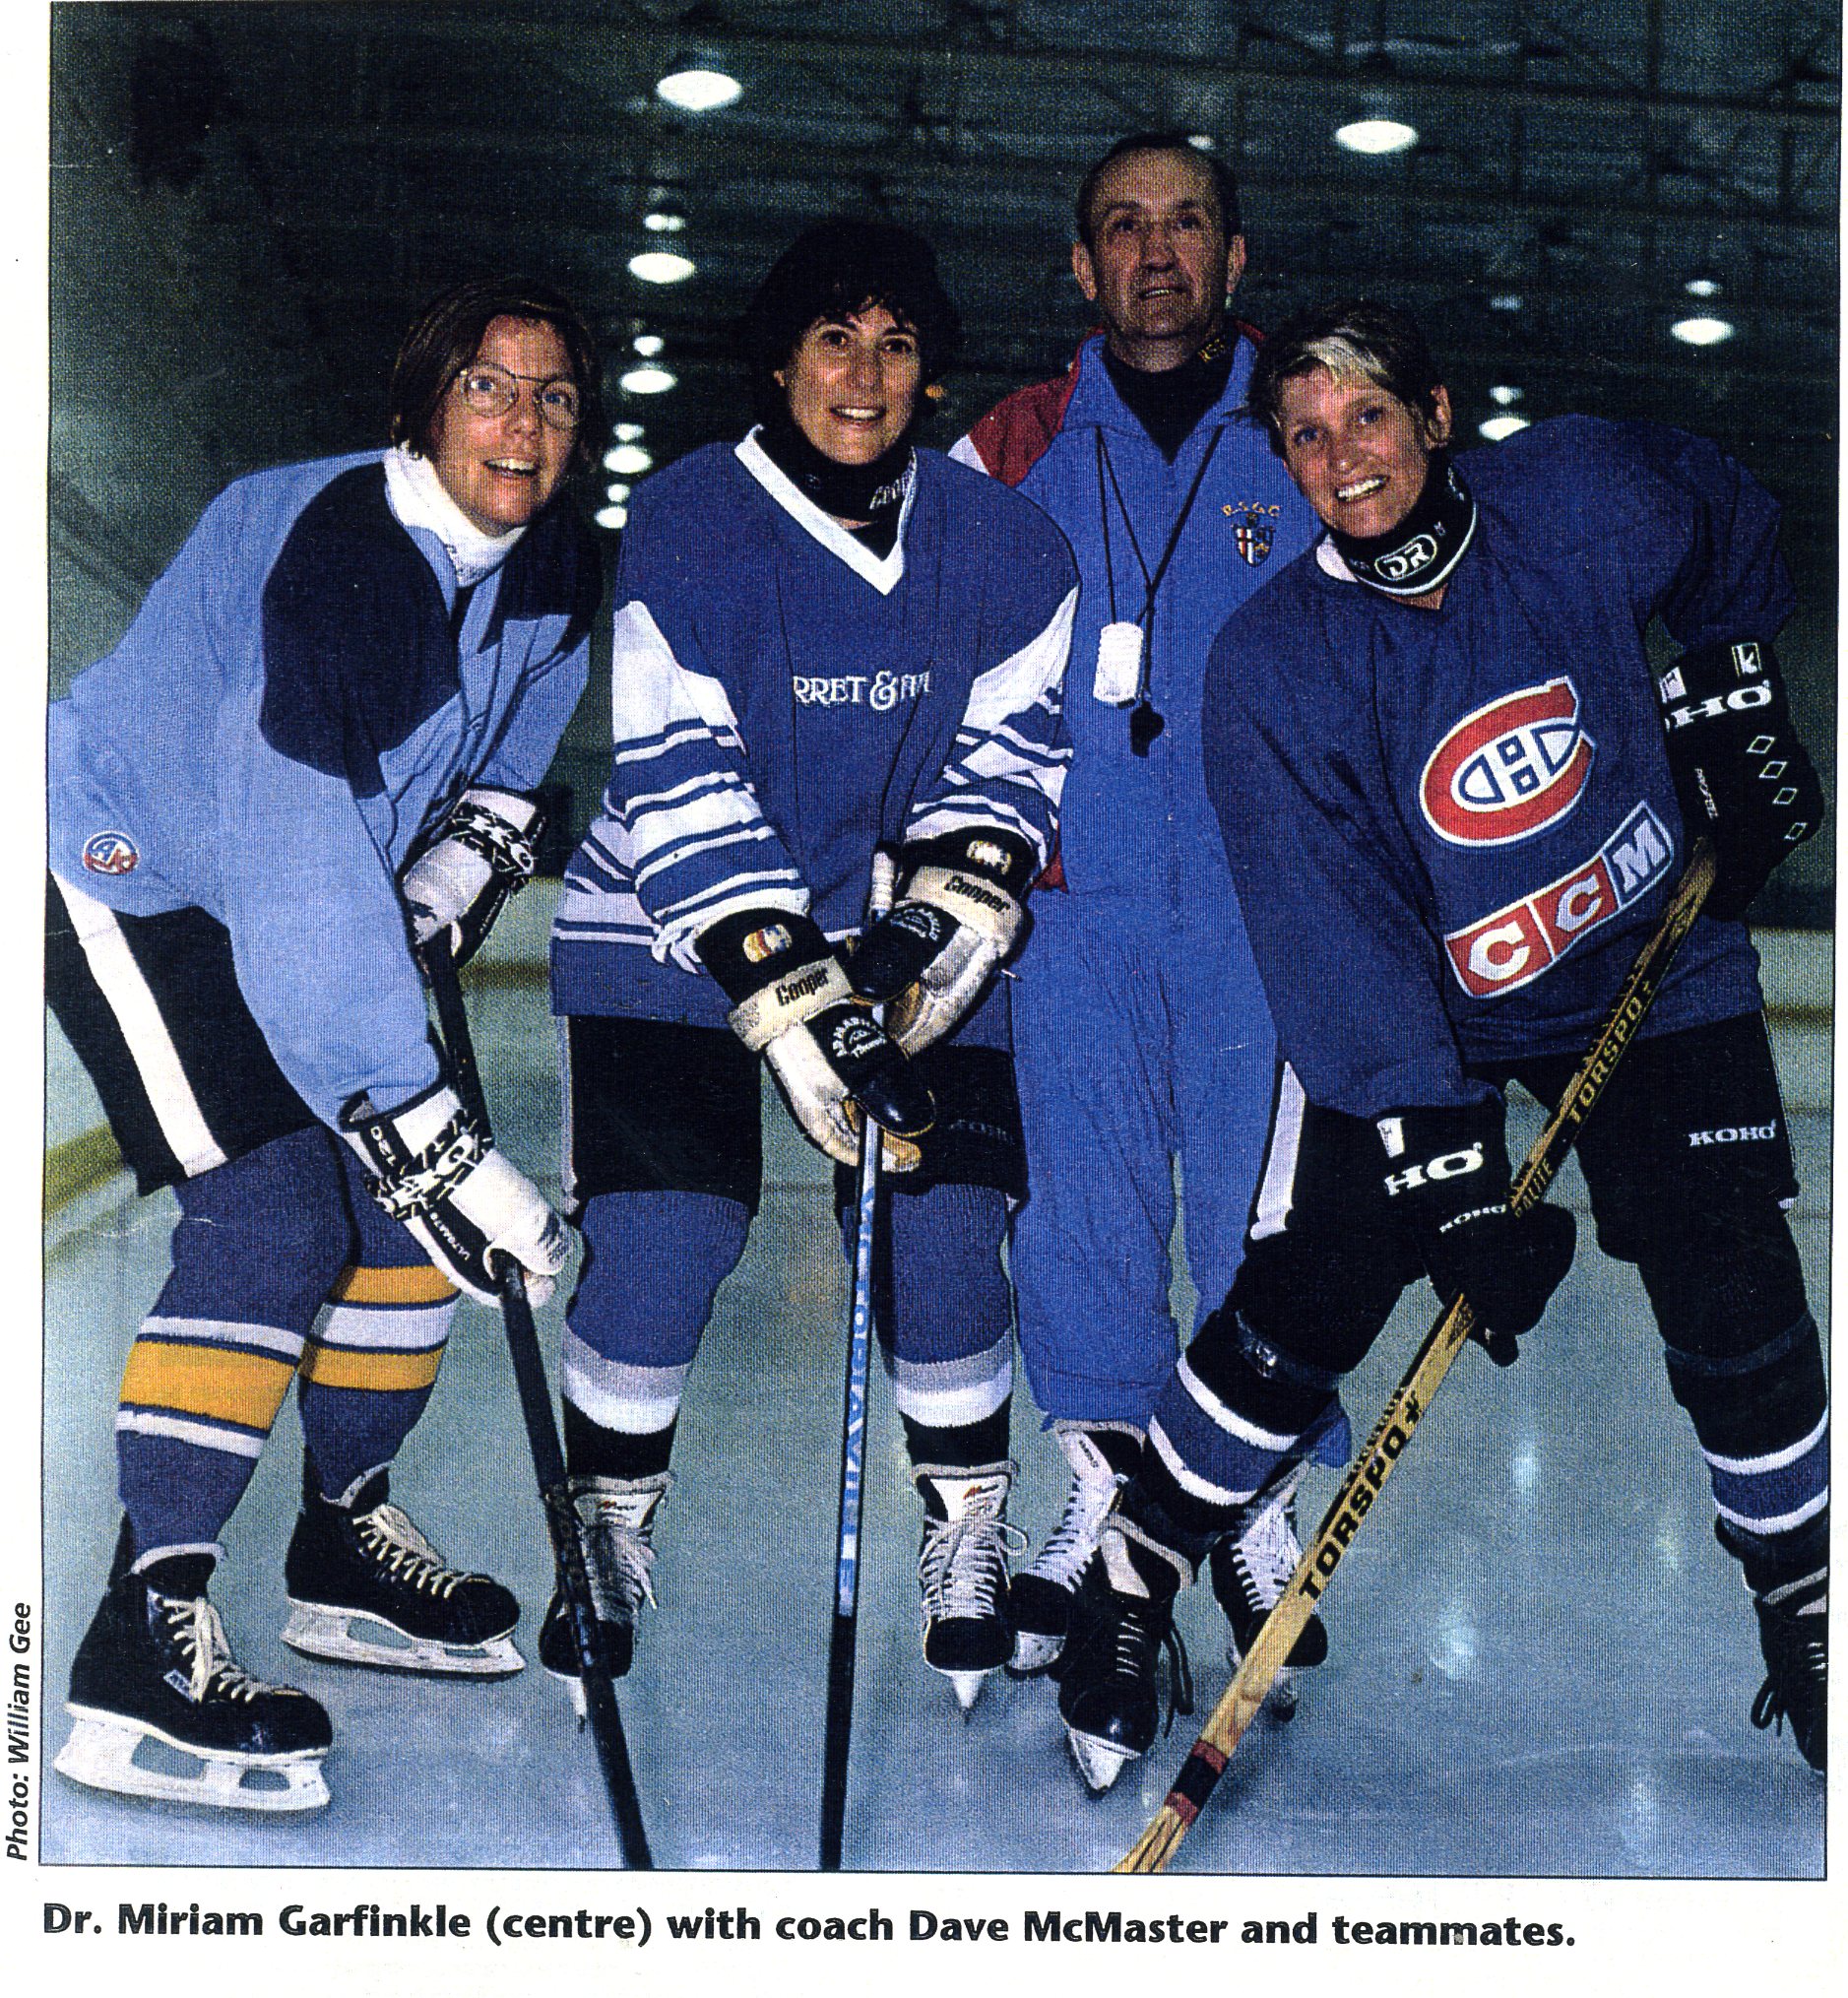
(447,335)
(1353,336)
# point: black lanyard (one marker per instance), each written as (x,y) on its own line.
(1145,724)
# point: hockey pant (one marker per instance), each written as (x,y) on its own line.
(1141,1039)
(1688,1164)
(275,1226)
(664,1166)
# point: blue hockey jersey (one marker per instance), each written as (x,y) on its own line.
(782,698)
(1450,830)
(303,693)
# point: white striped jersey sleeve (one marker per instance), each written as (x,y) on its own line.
(1011,753)
(681,840)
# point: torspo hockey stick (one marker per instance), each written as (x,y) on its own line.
(1409,1402)
(841,1641)
(542,1435)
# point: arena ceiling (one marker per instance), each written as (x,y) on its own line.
(311,171)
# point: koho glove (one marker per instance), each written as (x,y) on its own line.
(792,1003)
(428,1166)
(957,917)
(1741,775)
(460,880)
(1448,1176)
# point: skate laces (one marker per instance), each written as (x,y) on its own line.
(1266,1553)
(1073,1541)
(1792,1619)
(622,1552)
(389,1537)
(1139,1638)
(962,1565)
(200,1635)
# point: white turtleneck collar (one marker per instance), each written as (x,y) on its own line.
(420,499)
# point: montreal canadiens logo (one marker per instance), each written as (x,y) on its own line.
(1510,769)
(111,853)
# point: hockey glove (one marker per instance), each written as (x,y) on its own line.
(428,1166)
(958,916)
(792,1003)
(1741,775)
(461,882)
(1448,1178)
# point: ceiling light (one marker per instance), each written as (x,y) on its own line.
(1201,142)
(1377,134)
(1702,331)
(1506,302)
(661,267)
(627,433)
(1506,395)
(647,380)
(648,345)
(1498,427)
(629,459)
(1702,287)
(612,517)
(619,489)
(663,222)
(693,88)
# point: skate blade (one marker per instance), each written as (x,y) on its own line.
(1033,1654)
(319,1631)
(967,1686)
(100,1755)
(1100,1762)
(574,1688)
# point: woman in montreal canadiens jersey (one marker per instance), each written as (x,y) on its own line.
(1455,797)
(826,639)
(314,749)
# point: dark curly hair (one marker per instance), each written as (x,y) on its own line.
(1351,336)
(834,270)
(447,335)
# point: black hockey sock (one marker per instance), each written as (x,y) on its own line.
(185,1576)
(593,1452)
(1771,1560)
(960,1445)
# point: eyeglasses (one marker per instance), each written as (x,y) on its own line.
(491,391)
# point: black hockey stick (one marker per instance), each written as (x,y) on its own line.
(838,1728)
(542,1435)
(1410,1401)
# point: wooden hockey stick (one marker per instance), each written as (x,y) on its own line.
(548,1466)
(1409,1402)
(838,1727)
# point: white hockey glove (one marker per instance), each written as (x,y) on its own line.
(792,1003)
(461,882)
(958,917)
(429,1167)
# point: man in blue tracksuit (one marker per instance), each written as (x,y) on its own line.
(1141,1028)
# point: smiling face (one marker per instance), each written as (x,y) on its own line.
(1357,453)
(500,471)
(1159,266)
(853,383)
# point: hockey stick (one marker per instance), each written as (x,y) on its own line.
(1409,1402)
(838,1728)
(549,1464)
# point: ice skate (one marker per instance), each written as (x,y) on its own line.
(1250,1568)
(1793,1633)
(962,1572)
(618,1517)
(1123,1619)
(155,1668)
(365,1588)
(1040,1595)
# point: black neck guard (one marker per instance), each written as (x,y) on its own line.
(859,493)
(1170,404)
(1420,554)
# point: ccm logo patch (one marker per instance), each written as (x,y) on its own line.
(1510,769)
(1515,945)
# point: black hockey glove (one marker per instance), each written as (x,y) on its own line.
(1741,775)
(428,1166)
(481,853)
(958,917)
(792,1003)
(1448,1176)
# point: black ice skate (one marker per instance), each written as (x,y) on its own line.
(1040,1595)
(156,1667)
(1250,1568)
(1123,1619)
(962,1572)
(1793,1633)
(618,1517)
(365,1588)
